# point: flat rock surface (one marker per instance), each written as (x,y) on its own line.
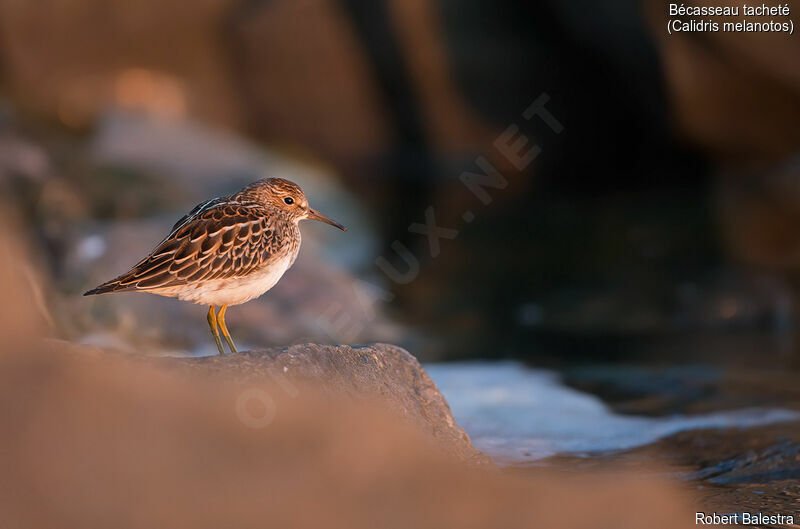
(729,470)
(376,371)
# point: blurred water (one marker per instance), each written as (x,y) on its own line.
(516,414)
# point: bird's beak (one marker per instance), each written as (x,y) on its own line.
(316,215)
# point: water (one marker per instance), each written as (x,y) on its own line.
(516,414)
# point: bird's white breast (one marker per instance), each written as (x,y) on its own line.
(233,291)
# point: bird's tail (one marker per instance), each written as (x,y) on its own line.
(109,286)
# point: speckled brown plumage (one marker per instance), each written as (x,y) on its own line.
(223,240)
(226,251)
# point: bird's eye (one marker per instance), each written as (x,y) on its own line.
(289,200)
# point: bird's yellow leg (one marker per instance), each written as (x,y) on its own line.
(212,322)
(224,328)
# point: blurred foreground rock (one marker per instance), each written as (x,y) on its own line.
(93,439)
(380,373)
(109,442)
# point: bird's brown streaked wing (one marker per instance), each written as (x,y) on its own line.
(197,209)
(225,240)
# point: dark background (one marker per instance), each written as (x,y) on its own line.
(659,225)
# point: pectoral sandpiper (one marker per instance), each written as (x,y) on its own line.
(226,251)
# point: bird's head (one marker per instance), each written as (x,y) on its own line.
(287,197)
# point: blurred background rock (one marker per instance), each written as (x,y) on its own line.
(660,224)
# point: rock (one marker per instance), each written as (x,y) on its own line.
(738,470)
(376,371)
(85,432)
